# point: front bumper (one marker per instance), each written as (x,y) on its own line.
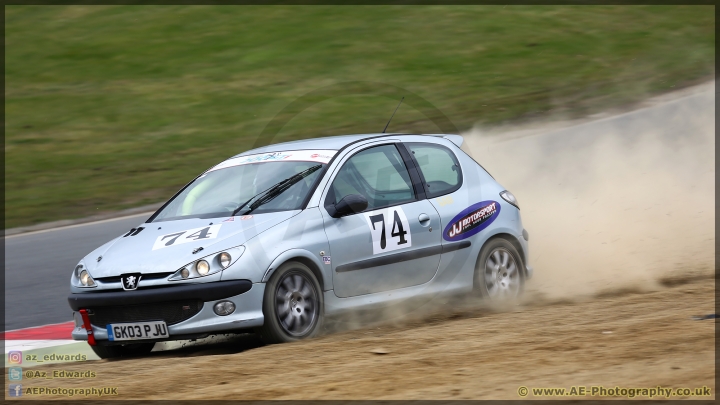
(246,296)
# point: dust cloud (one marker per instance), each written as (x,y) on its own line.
(612,204)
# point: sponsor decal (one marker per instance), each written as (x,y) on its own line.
(266,157)
(244,217)
(317,155)
(321,156)
(446,200)
(471,220)
(326,259)
(231,219)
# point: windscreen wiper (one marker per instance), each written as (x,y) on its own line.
(274,191)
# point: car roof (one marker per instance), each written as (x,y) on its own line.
(327,143)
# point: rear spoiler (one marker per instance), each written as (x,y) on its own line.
(456,139)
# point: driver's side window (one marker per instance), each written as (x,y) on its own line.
(379,174)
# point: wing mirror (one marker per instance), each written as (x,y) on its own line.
(349,204)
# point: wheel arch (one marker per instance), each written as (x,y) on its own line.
(301,256)
(513,241)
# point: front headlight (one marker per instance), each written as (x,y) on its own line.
(209,264)
(225,259)
(509,197)
(84,278)
(202,267)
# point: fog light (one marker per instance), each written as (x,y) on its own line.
(184,273)
(223,308)
(202,267)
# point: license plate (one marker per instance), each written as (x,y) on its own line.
(137,331)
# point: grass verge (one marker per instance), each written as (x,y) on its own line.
(111,107)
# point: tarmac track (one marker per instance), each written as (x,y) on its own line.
(38,267)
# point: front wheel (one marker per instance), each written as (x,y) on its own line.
(499,271)
(292,305)
(123,351)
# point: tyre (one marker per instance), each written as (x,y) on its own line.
(499,271)
(123,351)
(292,305)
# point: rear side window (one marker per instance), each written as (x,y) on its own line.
(438,166)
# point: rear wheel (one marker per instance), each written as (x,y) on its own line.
(499,271)
(123,351)
(292,306)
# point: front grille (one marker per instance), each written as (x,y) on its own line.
(170,312)
(146,277)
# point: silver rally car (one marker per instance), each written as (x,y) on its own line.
(275,239)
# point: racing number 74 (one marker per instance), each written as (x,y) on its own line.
(201,234)
(397,229)
(188,235)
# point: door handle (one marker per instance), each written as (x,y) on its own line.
(423,218)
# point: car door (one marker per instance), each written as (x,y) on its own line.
(396,241)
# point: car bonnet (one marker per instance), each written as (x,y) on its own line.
(167,246)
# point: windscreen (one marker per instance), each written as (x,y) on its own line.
(259,184)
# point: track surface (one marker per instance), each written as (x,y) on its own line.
(630,340)
(39,264)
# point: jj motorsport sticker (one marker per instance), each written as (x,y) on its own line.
(471,220)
